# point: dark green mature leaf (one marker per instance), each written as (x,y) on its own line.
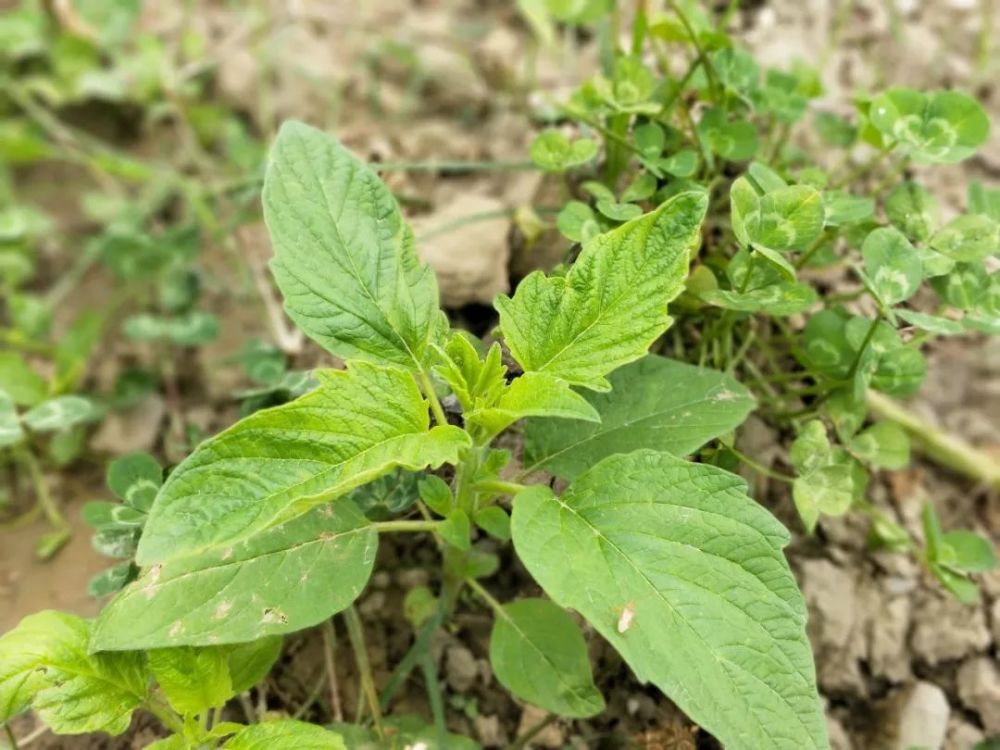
(274,582)
(538,653)
(344,258)
(278,463)
(613,302)
(682,572)
(654,403)
(285,734)
(44,664)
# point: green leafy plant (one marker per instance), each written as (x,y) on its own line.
(261,530)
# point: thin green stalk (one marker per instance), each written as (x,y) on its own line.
(429,393)
(390,527)
(487,597)
(528,736)
(759,467)
(864,346)
(357,636)
(433,691)
(162,711)
(500,486)
(10,736)
(42,494)
(940,446)
(330,664)
(713,78)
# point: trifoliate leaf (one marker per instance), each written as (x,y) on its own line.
(840,208)
(640,412)
(791,218)
(577,222)
(683,574)
(268,584)
(285,734)
(44,664)
(892,265)
(942,126)
(192,679)
(618,211)
(612,304)
(278,463)
(534,394)
(538,653)
(884,444)
(811,449)
(135,479)
(968,239)
(61,413)
(554,152)
(983,200)
(344,258)
(827,491)
(931,323)
(735,141)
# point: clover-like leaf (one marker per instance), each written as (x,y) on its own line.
(344,258)
(932,323)
(612,304)
(884,444)
(735,141)
(825,491)
(61,413)
(779,299)
(554,152)
(942,126)
(968,239)
(892,265)
(44,664)
(639,412)
(278,463)
(913,210)
(538,653)
(268,584)
(683,574)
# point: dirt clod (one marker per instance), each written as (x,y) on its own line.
(979,689)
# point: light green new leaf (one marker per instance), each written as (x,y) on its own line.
(24,386)
(277,581)
(11,432)
(278,463)
(811,449)
(44,664)
(884,444)
(473,379)
(683,574)
(344,258)
(613,302)
(538,653)
(192,679)
(892,265)
(968,239)
(61,413)
(942,126)
(654,403)
(285,734)
(554,152)
(826,491)
(534,394)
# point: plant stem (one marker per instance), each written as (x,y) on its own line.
(42,494)
(329,656)
(356,633)
(940,446)
(500,486)
(759,467)
(10,736)
(864,347)
(389,527)
(487,597)
(428,388)
(433,691)
(528,736)
(159,708)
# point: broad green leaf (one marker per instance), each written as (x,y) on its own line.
(913,210)
(11,432)
(538,653)
(494,521)
(967,551)
(455,529)
(554,152)
(272,583)
(135,479)
(24,386)
(968,239)
(192,679)
(942,126)
(892,265)
(791,218)
(931,323)
(826,491)
(278,463)
(250,663)
(618,211)
(811,449)
(683,574)
(344,258)
(654,403)
(534,394)
(61,413)
(884,444)
(285,734)
(44,664)
(613,302)
(437,494)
